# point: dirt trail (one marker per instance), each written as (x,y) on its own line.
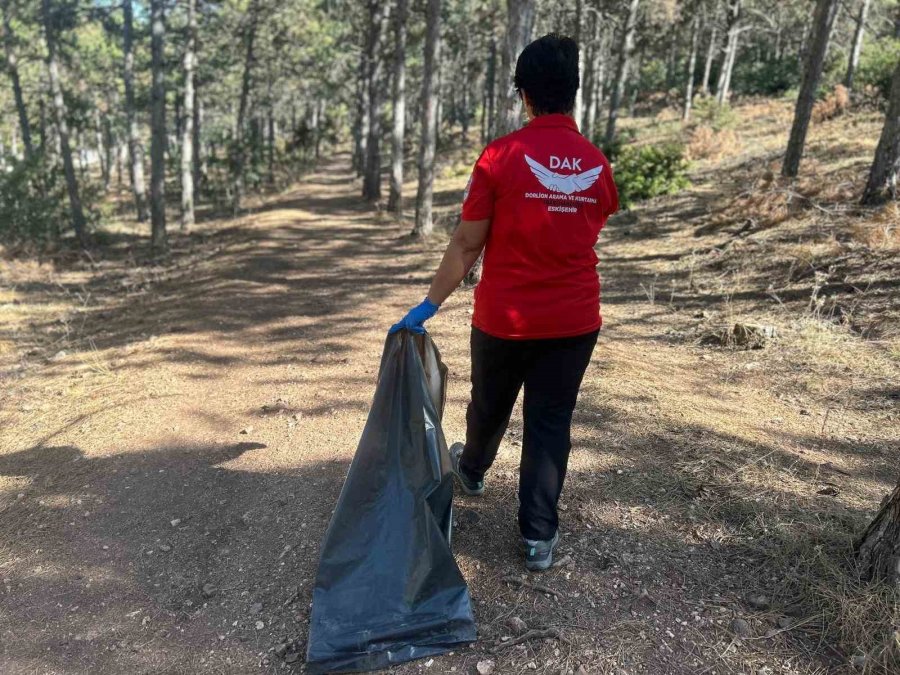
(166,484)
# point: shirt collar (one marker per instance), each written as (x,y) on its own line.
(554,120)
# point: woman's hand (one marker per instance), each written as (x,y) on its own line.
(416,317)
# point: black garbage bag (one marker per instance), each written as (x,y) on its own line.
(388,589)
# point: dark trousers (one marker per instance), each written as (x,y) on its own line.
(551,371)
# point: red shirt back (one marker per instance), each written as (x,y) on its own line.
(548,192)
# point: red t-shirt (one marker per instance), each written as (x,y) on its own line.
(548,192)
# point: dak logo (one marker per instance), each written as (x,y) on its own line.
(568,184)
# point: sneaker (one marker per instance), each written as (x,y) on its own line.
(539,554)
(473,488)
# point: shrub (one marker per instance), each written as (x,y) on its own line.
(649,171)
(713,114)
(612,150)
(877,63)
(33,200)
(706,143)
(766,78)
(833,105)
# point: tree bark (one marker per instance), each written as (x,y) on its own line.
(710,57)
(378,17)
(723,90)
(588,76)
(691,69)
(885,172)
(878,549)
(579,95)
(157,127)
(626,47)
(519,25)
(198,166)
(12,69)
(856,49)
(361,125)
(135,148)
(823,19)
(398,132)
(490,85)
(99,143)
(187,131)
(240,152)
(62,124)
(109,149)
(425,192)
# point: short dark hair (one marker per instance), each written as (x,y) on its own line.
(547,70)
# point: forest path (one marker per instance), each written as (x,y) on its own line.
(167,479)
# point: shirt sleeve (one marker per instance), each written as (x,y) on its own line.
(478,199)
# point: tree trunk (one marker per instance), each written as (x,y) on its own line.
(322,119)
(424,194)
(398,93)
(361,124)
(588,75)
(823,19)
(197,155)
(62,124)
(12,69)
(187,131)
(109,149)
(626,47)
(271,131)
(885,171)
(157,127)
(691,69)
(856,49)
(240,152)
(579,95)
(635,81)
(42,124)
(599,59)
(135,148)
(490,81)
(878,549)
(439,94)
(100,145)
(378,18)
(723,90)
(519,24)
(465,94)
(710,57)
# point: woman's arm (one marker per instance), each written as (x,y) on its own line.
(462,252)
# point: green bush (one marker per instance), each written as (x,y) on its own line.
(877,63)
(649,171)
(768,78)
(612,150)
(33,200)
(711,113)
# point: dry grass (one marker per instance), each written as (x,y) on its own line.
(706,143)
(835,104)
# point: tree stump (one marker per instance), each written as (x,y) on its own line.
(878,549)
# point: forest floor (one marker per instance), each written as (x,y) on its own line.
(175,435)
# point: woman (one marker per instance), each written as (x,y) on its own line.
(535,204)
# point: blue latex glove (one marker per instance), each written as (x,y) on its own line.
(416,317)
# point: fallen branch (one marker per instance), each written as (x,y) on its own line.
(533,634)
(540,588)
